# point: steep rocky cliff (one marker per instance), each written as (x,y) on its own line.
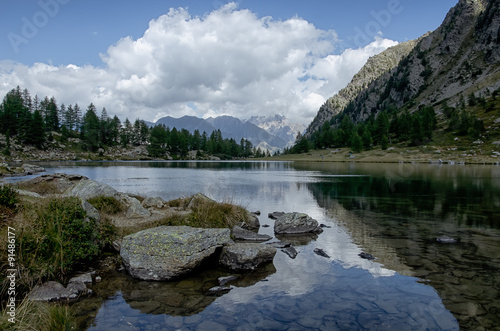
(461,57)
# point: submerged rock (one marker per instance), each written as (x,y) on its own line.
(296,223)
(242,234)
(168,252)
(245,257)
(446,240)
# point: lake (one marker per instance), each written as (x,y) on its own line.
(393,211)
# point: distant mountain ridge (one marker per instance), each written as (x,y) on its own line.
(268,133)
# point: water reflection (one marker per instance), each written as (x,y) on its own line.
(392,212)
(398,218)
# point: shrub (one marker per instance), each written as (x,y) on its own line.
(8,196)
(60,239)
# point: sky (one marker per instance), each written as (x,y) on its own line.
(150,58)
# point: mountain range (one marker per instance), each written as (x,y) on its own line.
(271,133)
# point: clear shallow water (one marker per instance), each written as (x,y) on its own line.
(394,212)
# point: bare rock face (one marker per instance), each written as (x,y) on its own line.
(296,223)
(167,252)
(246,257)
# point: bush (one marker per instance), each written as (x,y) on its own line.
(60,239)
(8,196)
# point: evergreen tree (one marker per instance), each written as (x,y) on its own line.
(90,129)
(37,131)
(356,142)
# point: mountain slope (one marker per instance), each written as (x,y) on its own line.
(461,57)
(375,67)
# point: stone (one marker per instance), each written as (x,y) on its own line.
(83,278)
(366,256)
(296,223)
(31,169)
(156,202)
(446,240)
(242,234)
(280,244)
(88,188)
(91,211)
(219,289)
(275,215)
(252,222)
(321,252)
(290,251)
(246,257)
(167,252)
(135,209)
(54,291)
(224,280)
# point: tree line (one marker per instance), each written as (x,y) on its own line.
(393,126)
(32,121)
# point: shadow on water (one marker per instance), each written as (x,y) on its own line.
(398,212)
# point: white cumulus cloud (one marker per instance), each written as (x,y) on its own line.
(227,62)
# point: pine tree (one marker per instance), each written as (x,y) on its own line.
(90,129)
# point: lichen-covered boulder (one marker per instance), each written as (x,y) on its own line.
(296,223)
(246,257)
(167,252)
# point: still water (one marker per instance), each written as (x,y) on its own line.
(394,212)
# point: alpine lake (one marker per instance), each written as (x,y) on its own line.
(394,212)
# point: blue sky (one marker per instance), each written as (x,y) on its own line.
(91,36)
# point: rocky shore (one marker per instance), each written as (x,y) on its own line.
(154,251)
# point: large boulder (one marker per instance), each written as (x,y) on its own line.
(296,223)
(246,257)
(88,189)
(168,252)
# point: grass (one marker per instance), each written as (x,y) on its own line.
(38,316)
(107,205)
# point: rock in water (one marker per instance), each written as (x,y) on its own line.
(290,251)
(244,257)
(168,252)
(242,234)
(446,240)
(367,256)
(321,252)
(295,223)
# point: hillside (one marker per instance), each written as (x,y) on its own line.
(449,71)
(375,67)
